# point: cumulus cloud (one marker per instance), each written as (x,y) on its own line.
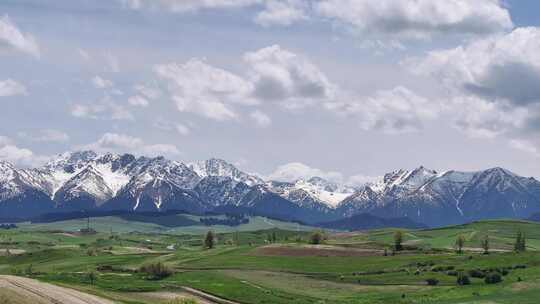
(260,118)
(138,101)
(416,19)
(10,87)
(10,152)
(101,83)
(119,143)
(11,37)
(398,110)
(294,171)
(200,88)
(47,135)
(148,91)
(272,74)
(493,82)
(105,109)
(182,129)
(182,6)
(361,180)
(282,76)
(282,12)
(525,146)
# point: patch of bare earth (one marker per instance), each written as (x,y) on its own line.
(315,250)
(4,252)
(168,295)
(33,291)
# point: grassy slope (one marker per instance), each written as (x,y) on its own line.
(120,225)
(239,273)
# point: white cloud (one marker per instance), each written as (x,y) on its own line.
(279,75)
(493,83)
(273,75)
(18,156)
(112,62)
(525,146)
(101,83)
(416,19)
(182,129)
(138,101)
(148,92)
(199,88)
(294,171)
(361,180)
(10,87)
(488,68)
(182,6)
(114,142)
(392,111)
(47,135)
(260,118)
(105,109)
(13,38)
(282,12)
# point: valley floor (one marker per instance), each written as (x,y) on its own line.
(269,267)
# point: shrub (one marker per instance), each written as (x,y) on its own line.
(209,240)
(463,279)
(316,238)
(432,282)
(398,240)
(477,273)
(460,242)
(493,278)
(91,252)
(157,270)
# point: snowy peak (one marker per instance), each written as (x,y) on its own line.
(88,183)
(314,192)
(218,167)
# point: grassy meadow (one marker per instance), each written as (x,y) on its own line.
(277,264)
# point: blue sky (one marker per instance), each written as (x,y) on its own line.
(350,89)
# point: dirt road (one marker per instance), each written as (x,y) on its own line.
(32,291)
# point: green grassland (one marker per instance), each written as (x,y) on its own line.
(240,268)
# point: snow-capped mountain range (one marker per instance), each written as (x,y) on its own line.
(90,181)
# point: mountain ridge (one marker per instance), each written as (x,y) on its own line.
(86,180)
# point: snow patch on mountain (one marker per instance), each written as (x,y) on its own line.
(218,167)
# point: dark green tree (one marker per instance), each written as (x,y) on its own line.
(398,240)
(485,244)
(520,243)
(209,240)
(316,238)
(460,242)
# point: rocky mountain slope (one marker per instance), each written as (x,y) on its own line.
(90,181)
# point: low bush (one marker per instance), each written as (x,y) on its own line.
(156,271)
(493,278)
(432,282)
(477,273)
(463,279)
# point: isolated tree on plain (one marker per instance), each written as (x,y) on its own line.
(316,238)
(209,240)
(520,244)
(398,240)
(92,277)
(460,242)
(485,244)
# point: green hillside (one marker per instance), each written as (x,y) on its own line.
(278,266)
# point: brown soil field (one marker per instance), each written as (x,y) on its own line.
(315,250)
